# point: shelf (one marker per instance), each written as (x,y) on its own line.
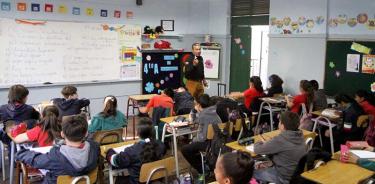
(161,50)
(164,36)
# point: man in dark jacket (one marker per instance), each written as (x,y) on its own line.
(74,158)
(70,104)
(285,149)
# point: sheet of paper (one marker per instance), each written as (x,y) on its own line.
(121,148)
(352,62)
(42,149)
(250,147)
(363,154)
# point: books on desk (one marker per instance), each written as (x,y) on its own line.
(331,113)
(363,154)
(122,148)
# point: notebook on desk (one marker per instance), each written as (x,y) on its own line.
(363,154)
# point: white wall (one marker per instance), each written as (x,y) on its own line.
(193,19)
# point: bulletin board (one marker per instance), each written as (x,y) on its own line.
(160,70)
(341,77)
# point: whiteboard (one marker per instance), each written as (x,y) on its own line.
(211,62)
(36,52)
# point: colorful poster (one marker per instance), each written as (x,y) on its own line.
(21,6)
(76,11)
(35,7)
(130,40)
(63,9)
(117,14)
(129,72)
(129,14)
(48,8)
(360,48)
(368,64)
(104,13)
(5,6)
(89,12)
(352,62)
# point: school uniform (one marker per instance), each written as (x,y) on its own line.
(370,132)
(39,136)
(19,113)
(99,122)
(298,101)
(183,102)
(162,100)
(320,100)
(63,160)
(130,159)
(250,94)
(68,107)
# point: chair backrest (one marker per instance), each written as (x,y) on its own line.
(156,170)
(108,136)
(363,120)
(211,132)
(85,179)
(309,142)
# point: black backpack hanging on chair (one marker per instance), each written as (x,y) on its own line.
(217,146)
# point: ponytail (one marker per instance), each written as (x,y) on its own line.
(50,123)
(110,106)
(257,83)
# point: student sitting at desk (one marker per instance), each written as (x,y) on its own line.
(183,101)
(285,149)
(320,98)
(207,115)
(70,104)
(234,168)
(255,91)
(165,99)
(76,157)
(45,132)
(276,85)
(144,151)
(367,102)
(365,163)
(306,97)
(110,118)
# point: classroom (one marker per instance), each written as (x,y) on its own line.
(187,91)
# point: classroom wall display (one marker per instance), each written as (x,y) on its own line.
(36,52)
(351,17)
(298,17)
(211,62)
(161,70)
(337,79)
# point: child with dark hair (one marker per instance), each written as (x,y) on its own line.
(17,109)
(70,104)
(76,157)
(144,151)
(165,100)
(183,101)
(276,85)
(286,150)
(110,118)
(306,97)
(206,115)
(234,168)
(367,102)
(46,130)
(320,98)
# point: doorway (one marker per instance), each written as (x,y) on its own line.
(259,52)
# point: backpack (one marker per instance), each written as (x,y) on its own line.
(370,132)
(305,121)
(217,145)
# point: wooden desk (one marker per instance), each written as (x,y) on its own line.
(269,135)
(273,100)
(171,118)
(133,102)
(105,148)
(337,172)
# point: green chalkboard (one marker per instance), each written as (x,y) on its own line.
(345,82)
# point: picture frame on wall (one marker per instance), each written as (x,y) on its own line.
(167,25)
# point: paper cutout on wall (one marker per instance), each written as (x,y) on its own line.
(129,14)
(237,40)
(208,64)
(290,25)
(128,54)
(169,57)
(104,13)
(337,74)
(360,48)
(162,82)
(48,8)
(156,69)
(352,62)
(148,58)
(332,64)
(368,64)
(373,87)
(171,75)
(370,24)
(352,22)
(168,68)
(21,6)
(89,12)
(5,6)
(63,9)
(319,20)
(149,87)
(362,18)
(157,85)
(117,14)
(76,11)
(243,52)
(35,7)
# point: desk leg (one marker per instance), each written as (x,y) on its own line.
(259,115)
(331,137)
(127,114)
(175,151)
(12,150)
(133,120)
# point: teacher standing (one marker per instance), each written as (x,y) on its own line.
(194,72)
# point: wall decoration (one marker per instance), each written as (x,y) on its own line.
(129,14)
(76,11)
(5,6)
(337,74)
(332,64)
(89,11)
(211,62)
(104,13)
(368,64)
(35,7)
(296,25)
(63,9)
(352,62)
(21,6)
(360,48)
(117,14)
(48,8)
(167,25)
